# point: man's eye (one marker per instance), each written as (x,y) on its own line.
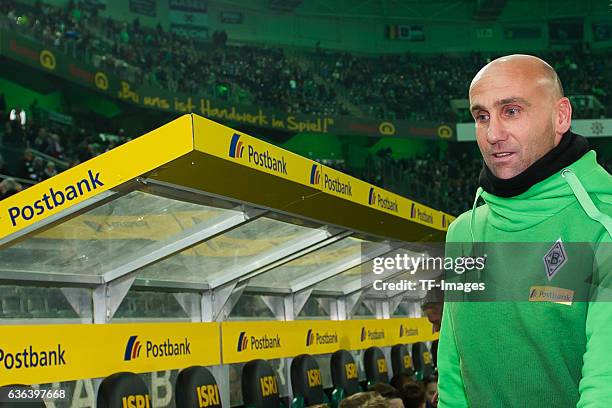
(482,117)
(512,111)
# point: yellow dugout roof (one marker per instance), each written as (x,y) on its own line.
(197,203)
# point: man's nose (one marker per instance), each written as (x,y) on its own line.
(496,131)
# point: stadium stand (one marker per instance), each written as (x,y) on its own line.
(405,86)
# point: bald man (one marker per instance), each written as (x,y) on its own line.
(537,337)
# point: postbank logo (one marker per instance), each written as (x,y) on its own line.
(236,147)
(243,341)
(55,198)
(337,185)
(407,332)
(309,338)
(551,294)
(315,338)
(427,357)
(372,334)
(371,197)
(416,213)
(264,342)
(166,348)
(381,201)
(32,357)
(260,158)
(132,349)
(315,174)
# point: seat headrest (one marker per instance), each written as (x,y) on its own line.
(5,402)
(401,362)
(375,366)
(344,372)
(260,386)
(306,380)
(120,387)
(196,387)
(423,363)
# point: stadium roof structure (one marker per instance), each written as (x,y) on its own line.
(197,206)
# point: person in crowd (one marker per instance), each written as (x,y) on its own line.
(357,400)
(400,379)
(413,395)
(378,402)
(17,116)
(431,391)
(389,392)
(8,187)
(25,168)
(50,170)
(37,170)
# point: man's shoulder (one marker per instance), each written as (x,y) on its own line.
(459,229)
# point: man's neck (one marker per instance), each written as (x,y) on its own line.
(571,148)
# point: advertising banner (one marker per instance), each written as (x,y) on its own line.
(52,353)
(245,341)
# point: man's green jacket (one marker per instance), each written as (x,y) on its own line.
(547,339)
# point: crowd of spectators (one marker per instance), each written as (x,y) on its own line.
(404,391)
(443,181)
(40,150)
(405,86)
(418,88)
(264,76)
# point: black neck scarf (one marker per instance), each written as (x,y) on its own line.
(571,148)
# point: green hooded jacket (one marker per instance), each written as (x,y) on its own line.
(521,353)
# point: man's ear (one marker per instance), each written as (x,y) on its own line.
(563,118)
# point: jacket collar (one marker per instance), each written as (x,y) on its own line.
(571,148)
